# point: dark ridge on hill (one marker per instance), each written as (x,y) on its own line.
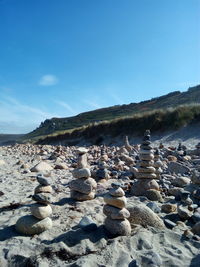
(9,139)
(174,99)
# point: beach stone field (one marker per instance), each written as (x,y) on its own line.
(99,206)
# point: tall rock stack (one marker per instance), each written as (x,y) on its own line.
(116,222)
(39,221)
(157,164)
(146,171)
(127,145)
(102,173)
(83,187)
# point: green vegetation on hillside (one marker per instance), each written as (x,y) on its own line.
(158,120)
(57,125)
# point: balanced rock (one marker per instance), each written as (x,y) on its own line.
(41,211)
(116,222)
(29,225)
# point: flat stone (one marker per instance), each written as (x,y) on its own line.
(43,189)
(146,156)
(169,224)
(81,173)
(118,192)
(83,185)
(29,225)
(82,197)
(118,202)
(41,211)
(115,213)
(42,167)
(118,227)
(147,169)
(42,180)
(181,181)
(81,150)
(61,166)
(143,175)
(43,198)
(146,163)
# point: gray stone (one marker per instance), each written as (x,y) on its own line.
(117,227)
(175,167)
(42,167)
(81,173)
(115,213)
(83,185)
(154,207)
(43,198)
(42,180)
(29,225)
(41,211)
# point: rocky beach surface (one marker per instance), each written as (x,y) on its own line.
(70,206)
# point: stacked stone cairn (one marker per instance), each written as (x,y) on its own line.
(157,164)
(127,145)
(39,221)
(102,174)
(83,187)
(116,222)
(146,172)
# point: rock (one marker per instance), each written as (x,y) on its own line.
(142,215)
(43,198)
(118,202)
(81,150)
(195,178)
(82,197)
(169,224)
(87,224)
(81,173)
(196,228)
(153,195)
(175,191)
(115,213)
(41,211)
(168,208)
(83,185)
(154,207)
(42,180)
(42,167)
(117,192)
(61,166)
(183,212)
(181,181)
(172,158)
(43,189)
(29,225)
(140,187)
(175,167)
(118,227)
(196,194)
(196,217)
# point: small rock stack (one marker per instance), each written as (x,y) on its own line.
(146,172)
(116,221)
(127,145)
(102,174)
(83,188)
(157,164)
(39,221)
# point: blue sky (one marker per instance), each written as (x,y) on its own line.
(62,57)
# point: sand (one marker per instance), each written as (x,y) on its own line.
(68,245)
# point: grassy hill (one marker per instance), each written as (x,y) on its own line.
(60,126)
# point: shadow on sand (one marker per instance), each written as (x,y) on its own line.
(74,237)
(8,232)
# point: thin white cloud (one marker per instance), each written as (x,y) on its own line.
(92,104)
(16,116)
(66,106)
(117,99)
(48,80)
